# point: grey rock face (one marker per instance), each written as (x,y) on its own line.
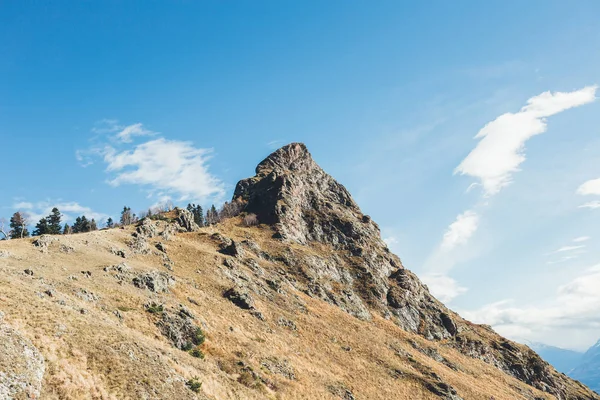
(185,219)
(146,228)
(154,281)
(180,330)
(43,242)
(21,365)
(305,205)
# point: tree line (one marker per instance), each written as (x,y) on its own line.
(52,223)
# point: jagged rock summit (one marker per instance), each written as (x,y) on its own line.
(305,205)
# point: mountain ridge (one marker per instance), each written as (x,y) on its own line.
(308,304)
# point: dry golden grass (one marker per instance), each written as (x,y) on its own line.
(92,354)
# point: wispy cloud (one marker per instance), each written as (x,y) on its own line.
(165,168)
(69,209)
(581,239)
(443,287)
(576,308)
(460,231)
(591,187)
(501,148)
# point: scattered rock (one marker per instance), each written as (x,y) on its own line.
(161,247)
(158,282)
(122,268)
(279,367)
(118,252)
(43,242)
(180,330)
(87,274)
(286,323)
(4,254)
(66,249)
(240,297)
(139,245)
(342,391)
(87,295)
(28,272)
(233,249)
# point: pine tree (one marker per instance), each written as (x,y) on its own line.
(67,230)
(77,225)
(85,224)
(41,228)
(54,225)
(93,225)
(18,226)
(199,216)
(110,223)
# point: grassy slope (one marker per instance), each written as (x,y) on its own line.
(92,354)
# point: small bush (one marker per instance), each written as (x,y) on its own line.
(187,346)
(197,353)
(194,385)
(155,308)
(198,337)
(250,220)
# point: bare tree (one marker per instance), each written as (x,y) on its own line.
(250,220)
(3,230)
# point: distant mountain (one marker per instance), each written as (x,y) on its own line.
(562,359)
(588,370)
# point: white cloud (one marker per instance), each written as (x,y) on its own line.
(126,134)
(122,133)
(569,248)
(581,239)
(443,287)
(70,210)
(592,205)
(390,241)
(590,187)
(461,230)
(501,148)
(575,309)
(167,166)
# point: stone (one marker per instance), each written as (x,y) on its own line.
(43,242)
(158,282)
(146,228)
(233,249)
(185,219)
(180,330)
(28,272)
(4,254)
(240,297)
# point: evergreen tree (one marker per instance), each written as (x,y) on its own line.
(110,223)
(18,226)
(199,216)
(41,228)
(77,225)
(67,230)
(54,225)
(85,224)
(93,225)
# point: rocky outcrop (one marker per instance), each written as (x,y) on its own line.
(305,205)
(185,219)
(21,365)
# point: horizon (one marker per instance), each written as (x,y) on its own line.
(468,135)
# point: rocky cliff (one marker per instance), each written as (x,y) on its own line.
(305,205)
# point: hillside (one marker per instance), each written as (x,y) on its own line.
(309,304)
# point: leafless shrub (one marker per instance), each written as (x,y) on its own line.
(250,220)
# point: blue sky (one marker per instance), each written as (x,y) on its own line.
(109,103)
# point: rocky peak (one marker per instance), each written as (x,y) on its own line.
(304,203)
